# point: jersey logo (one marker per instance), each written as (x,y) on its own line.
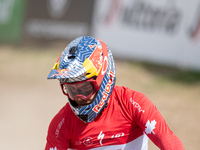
(88,141)
(100,137)
(59,127)
(136,105)
(118,135)
(150,126)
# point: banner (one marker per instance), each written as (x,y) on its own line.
(163,32)
(57,19)
(11,20)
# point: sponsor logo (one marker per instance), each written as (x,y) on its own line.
(142,15)
(63,72)
(136,105)
(105,64)
(118,135)
(59,127)
(150,126)
(105,93)
(88,141)
(100,137)
(51,29)
(98,107)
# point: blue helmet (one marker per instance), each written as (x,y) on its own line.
(83,59)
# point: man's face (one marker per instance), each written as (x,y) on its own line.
(83,93)
(82,102)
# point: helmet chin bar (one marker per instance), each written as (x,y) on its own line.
(84,118)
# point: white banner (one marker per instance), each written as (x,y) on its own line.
(158,31)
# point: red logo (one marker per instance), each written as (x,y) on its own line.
(62,72)
(105,95)
(96,58)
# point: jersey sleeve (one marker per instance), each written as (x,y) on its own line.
(150,120)
(57,138)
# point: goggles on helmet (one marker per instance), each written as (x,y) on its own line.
(83,89)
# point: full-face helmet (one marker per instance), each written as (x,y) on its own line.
(89,61)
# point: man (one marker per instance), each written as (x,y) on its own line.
(100,115)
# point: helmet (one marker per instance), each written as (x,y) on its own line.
(86,59)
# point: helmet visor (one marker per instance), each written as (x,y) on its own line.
(82,90)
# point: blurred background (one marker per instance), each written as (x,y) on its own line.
(155,44)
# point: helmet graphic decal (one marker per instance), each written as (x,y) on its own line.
(83,59)
(97,57)
(74,65)
(105,93)
(93,63)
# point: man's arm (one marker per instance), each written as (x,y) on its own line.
(154,125)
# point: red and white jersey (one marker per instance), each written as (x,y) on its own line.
(125,124)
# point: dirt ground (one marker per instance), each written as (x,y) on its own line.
(28,101)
